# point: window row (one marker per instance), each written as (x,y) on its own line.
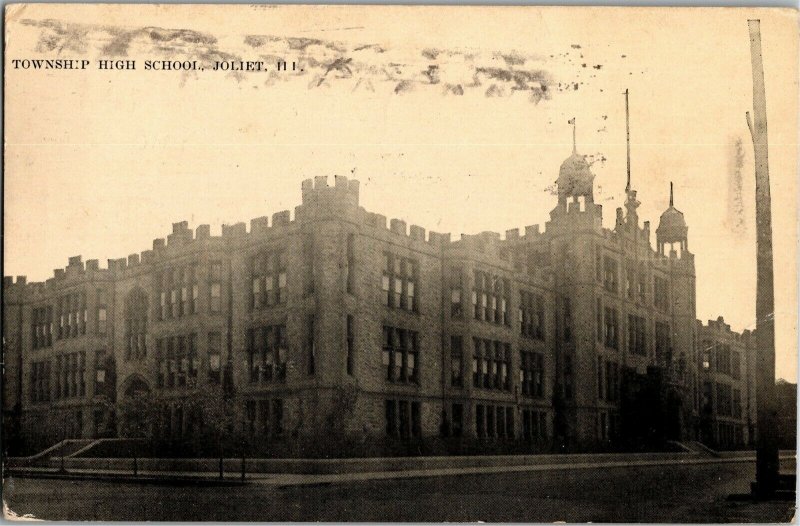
(399,282)
(727,361)
(534,424)
(608,380)
(42,327)
(403,419)
(607,273)
(400,355)
(266,353)
(491,364)
(531,315)
(264,418)
(490,298)
(178,292)
(177,361)
(531,374)
(72,315)
(268,279)
(494,421)
(40,382)
(70,375)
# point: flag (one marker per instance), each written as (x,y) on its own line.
(571,121)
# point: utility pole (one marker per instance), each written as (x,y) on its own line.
(766,445)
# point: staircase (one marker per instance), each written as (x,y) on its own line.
(64,448)
(693,446)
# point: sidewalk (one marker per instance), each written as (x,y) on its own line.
(290,480)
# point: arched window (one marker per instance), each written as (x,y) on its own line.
(135,325)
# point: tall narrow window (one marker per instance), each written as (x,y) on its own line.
(351,263)
(567,332)
(214,357)
(308,262)
(456,291)
(312,359)
(215,279)
(456,361)
(350,345)
(135,324)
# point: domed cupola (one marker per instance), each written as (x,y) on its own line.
(575,178)
(672,227)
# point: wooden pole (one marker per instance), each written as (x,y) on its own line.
(766,443)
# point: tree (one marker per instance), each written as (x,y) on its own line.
(140,420)
(216,409)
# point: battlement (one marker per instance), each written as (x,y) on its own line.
(317,190)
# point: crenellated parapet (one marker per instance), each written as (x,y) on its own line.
(15,290)
(318,192)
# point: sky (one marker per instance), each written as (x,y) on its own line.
(454,119)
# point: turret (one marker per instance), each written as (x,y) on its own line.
(575,178)
(672,228)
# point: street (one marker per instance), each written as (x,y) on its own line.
(692,493)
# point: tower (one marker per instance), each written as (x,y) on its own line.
(575,177)
(672,228)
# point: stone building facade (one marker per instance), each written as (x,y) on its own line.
(728,365)
(332,321)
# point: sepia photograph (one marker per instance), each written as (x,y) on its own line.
(371,263)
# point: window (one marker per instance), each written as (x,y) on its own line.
(403,419)
(567,317)
(310,335)
(99,370)
(534,424)
(660,294)
(268,276)
(567,369)
(663,344)
(612,382)
(350,345)
(214,357)
(480,426)
(491,364)
(351,263)
(723,358)
(193,361)
(610,280)
(135,325)
(630,281)
(531,315)
(531,374)
(456,361)
(41,327)
(266,347)
(215,279)
(600,377)
(598,267)
(391,418)
(456,292)
(707,355)
(399,281)
(735,365)
(277,417)
(82,314)
(174,293)
(490,298)
(641,287)
(308,261)
(400,354)
(40,381)
(457,420)
(724,400)
(637,339)
(612,328)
